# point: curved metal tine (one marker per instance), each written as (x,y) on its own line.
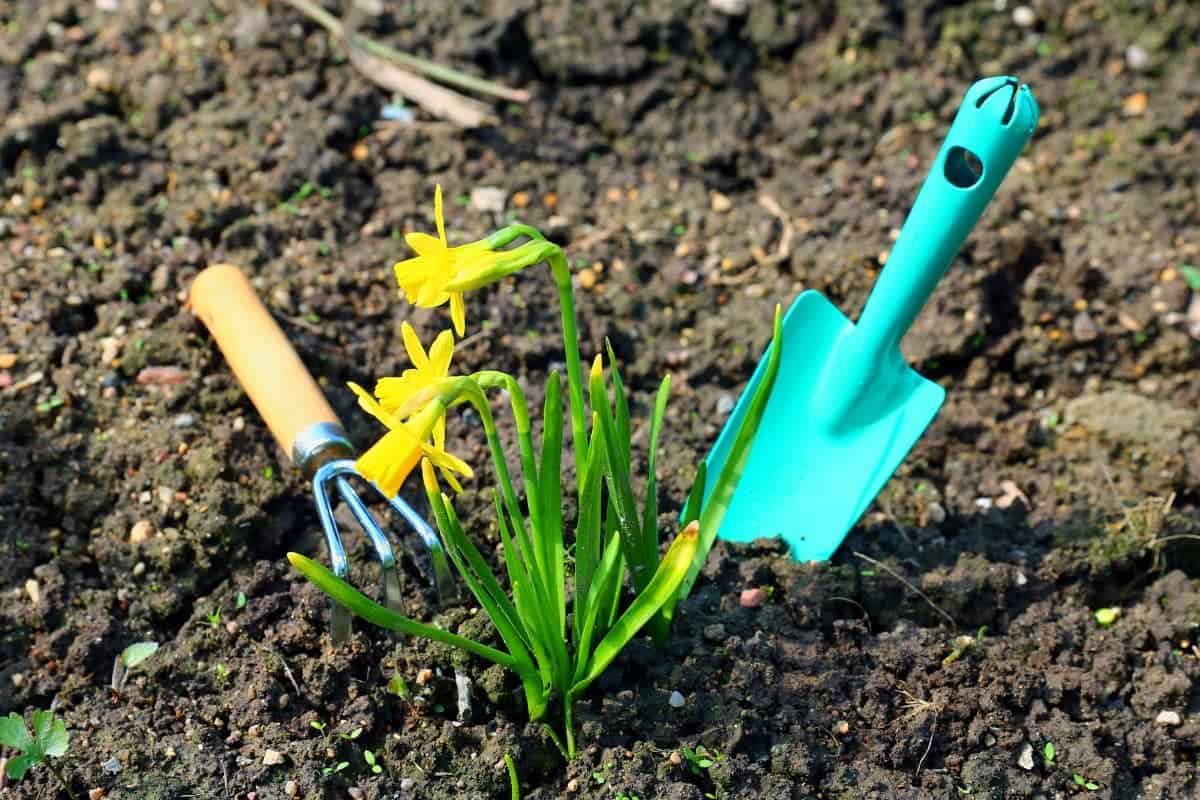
(443,579)
(339,615)
(388,573)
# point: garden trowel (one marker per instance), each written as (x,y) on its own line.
(845,408)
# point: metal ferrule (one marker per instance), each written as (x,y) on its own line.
(319,443)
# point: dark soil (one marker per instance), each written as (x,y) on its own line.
(704,167)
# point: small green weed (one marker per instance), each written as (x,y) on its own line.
(48,739)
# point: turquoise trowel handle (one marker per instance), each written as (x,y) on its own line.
(994,123)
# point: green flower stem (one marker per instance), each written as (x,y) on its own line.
(566,301)
(516,260)
(489,379)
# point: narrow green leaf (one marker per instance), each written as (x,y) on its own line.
(363,606)
(722,492)
(482,584)
(620,492)
(662,587)
(587,530)
(550,524)
(660,625)
(621,404)
(514,783)
(594,610)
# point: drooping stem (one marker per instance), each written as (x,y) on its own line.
(566,302)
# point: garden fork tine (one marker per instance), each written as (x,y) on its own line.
(304,425)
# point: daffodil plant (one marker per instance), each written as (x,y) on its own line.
(560,627)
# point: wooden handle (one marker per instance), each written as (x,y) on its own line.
(261,357)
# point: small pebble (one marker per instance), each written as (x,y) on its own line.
(725,404)
(572,785)
(407,784)
(185,421)
(715,632)
(587,279)
(1169,718)
(1025,760)
(1136,57)
(34,590)
(239,424)
(1193,316)
(95,794)
(1135,104)
(112,766)
(734,8)
(489,198)
(676,700)
(355,793)
(752,598)
(18,679)
(251,795)
(1024,16)
(141,531)
(100,79)
(1083,328)
(291,788)
(273,758)
(139,569)
(842,728)
(8,360)
(936,513)
(720,203)
(424,676)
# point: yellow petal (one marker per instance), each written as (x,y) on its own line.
(439,433)
(390,460)
(416,353)
(440,354)
(431,295)
(437,214)
(429,477)
(446,460)
(426,246)
(394,393)
(368,404)
(458,312)
(453,481)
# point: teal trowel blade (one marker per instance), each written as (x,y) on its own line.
(846,408)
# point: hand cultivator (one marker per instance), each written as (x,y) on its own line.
(301,420)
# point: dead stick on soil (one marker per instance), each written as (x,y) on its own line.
(437,100)
(899,577)
(366,57)
(423,65)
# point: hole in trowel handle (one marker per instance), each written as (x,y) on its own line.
(963,168)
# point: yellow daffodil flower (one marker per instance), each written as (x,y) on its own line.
(428,369)
(392,459)
(423,278)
